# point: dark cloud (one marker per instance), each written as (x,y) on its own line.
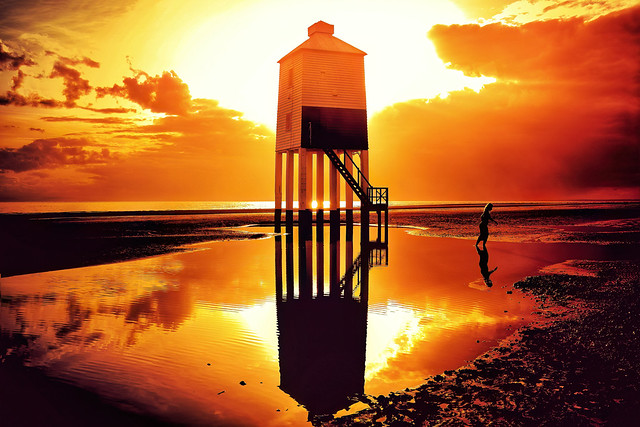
(161,94)
(613,160)
(553,51)
(12,61)
(16,81)
(118,110)
(36,129)
(79,61)
(51,153)
(561,122)
(67,19)
(104,120)
(74,85)
(31,100)
(210,153)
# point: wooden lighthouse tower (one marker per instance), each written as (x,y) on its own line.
(322,114)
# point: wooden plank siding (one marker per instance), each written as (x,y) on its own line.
(333,79)
(289,103)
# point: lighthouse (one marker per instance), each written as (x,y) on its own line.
(321,148)
(322,120)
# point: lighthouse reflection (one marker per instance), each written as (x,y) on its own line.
(322,313)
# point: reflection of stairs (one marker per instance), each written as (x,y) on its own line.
(375,197)
(353,271)
(377,257)
(378,254)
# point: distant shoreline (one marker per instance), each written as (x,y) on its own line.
(393,207)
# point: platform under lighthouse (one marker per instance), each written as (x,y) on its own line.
(322,122)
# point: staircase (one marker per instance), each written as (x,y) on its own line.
(377,257)
(376,198)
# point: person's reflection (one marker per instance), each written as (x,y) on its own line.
(484,266)
(321,337)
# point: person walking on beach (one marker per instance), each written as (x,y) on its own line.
(484,225)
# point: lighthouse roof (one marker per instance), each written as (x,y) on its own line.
(321,38)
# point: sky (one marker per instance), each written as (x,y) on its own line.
(164,100)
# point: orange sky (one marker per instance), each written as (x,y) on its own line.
(467,100)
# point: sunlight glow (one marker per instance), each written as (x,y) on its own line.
(399,329)
(261,319)
(235,60)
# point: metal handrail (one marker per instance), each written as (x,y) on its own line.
(373,195)
(353,271)
(378,195)
(376,258)
(360,174)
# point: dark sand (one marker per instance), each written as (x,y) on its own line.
(45,242)
(578,366)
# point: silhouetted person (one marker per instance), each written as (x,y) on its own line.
(484,266)
(484,225)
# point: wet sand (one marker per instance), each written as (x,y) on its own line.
(45,242)
(577,366)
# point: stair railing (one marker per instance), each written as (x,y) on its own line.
(374,195)
(360,177)
(378,195)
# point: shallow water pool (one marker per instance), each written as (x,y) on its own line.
(267,332)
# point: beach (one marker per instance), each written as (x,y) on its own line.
(49,240)
(576,364)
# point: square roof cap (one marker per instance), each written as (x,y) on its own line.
(320,27)
(321,38)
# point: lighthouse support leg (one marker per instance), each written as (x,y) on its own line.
(320,193)
(334,195)
(305,187)
(364,212)
(278,191)
(334,231)
(348,192)
(320,223)
(289,189)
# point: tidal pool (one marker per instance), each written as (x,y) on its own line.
(252,333)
